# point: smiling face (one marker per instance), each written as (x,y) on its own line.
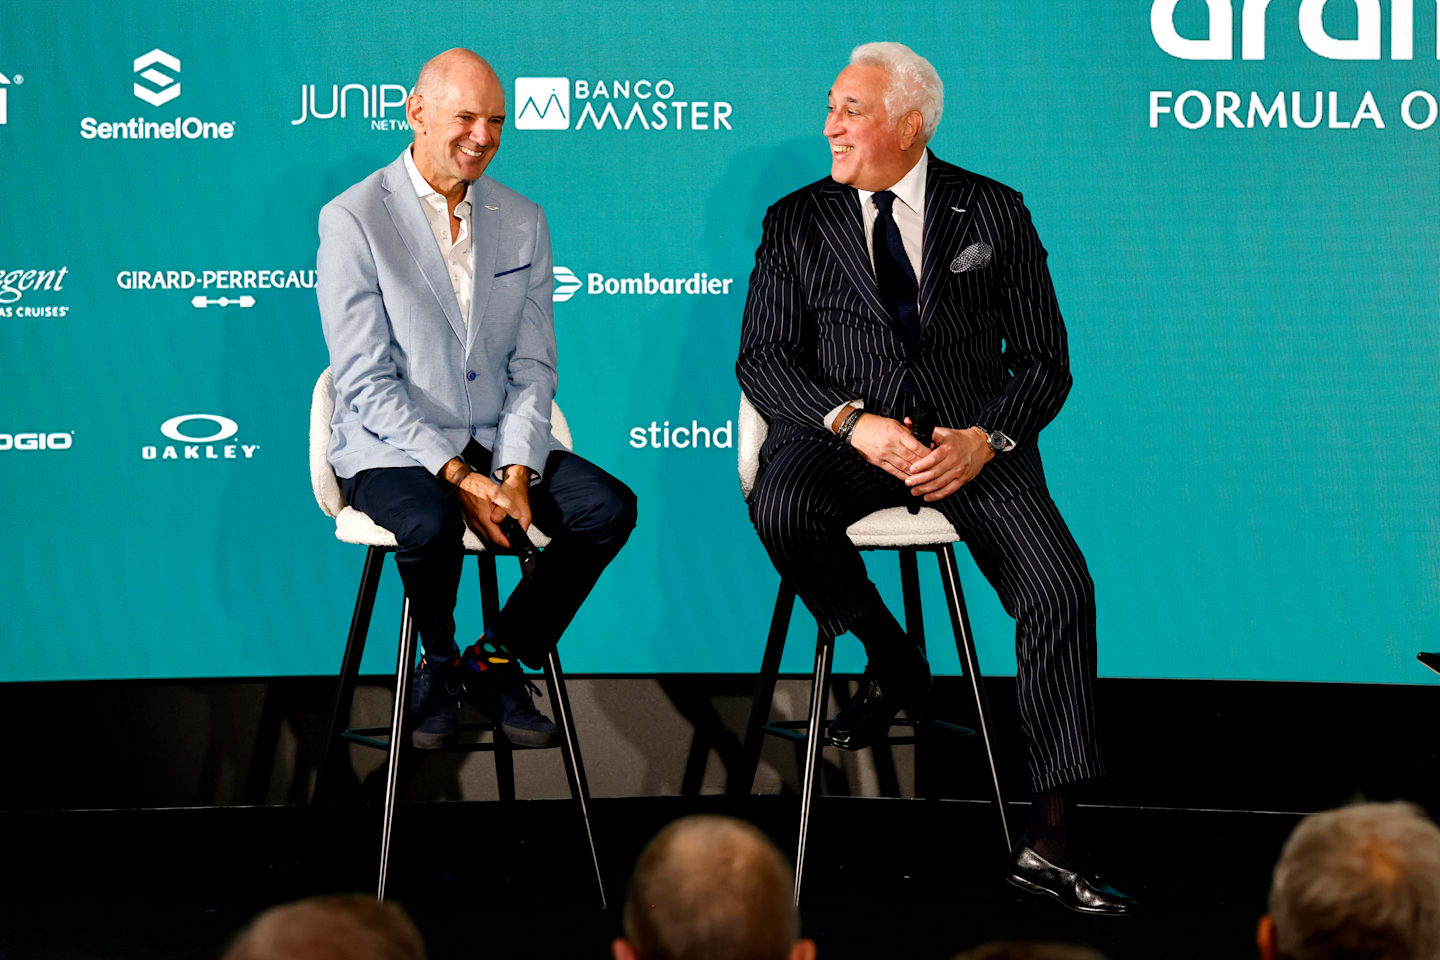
(457,124)
(868,150)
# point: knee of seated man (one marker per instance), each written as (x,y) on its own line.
(437,524)
(610,513)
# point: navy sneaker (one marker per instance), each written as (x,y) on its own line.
(503,693)
(435,699)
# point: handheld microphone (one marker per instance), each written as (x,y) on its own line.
(528,553)
(922,426)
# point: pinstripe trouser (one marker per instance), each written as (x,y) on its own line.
(811,490)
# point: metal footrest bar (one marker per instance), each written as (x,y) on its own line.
(797,730)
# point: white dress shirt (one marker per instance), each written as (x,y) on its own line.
(457,255)
(909,213)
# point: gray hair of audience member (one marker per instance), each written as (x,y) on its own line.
(349,927)
(1027,950)
(914,83)
(711,888)
(1358,883)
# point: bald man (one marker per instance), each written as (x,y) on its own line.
(711,888)
(435,288)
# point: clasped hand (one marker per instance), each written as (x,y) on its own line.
(953,460)
(486,503)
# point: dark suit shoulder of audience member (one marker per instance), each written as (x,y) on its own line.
(1027,950)
(711,888)
(349,927)
(1358,883)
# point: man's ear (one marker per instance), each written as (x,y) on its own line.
(1265,938)
(910,126)
(620,948)
(414,110)
(803,950)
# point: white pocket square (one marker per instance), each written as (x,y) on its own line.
(973,257)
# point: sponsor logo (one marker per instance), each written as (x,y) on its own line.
(542,103)
(164,87)
(383,104)
(15,285)
(159,89)
(662,436)
(24,442)
(244,283)
(199,436)
(5,84)
(1219,44)
(565,103)
(568,283)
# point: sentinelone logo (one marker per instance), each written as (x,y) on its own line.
(15,284)
(160,89)
(192,442)
(545,103)
(567,284)
(382,104)
(243,283)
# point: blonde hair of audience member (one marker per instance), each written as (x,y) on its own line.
(1358,883)
(350,927)
(711,888)
(1027,950)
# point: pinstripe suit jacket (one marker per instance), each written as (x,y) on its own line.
(992,348)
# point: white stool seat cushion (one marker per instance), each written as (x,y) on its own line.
(896,527)
(352,526)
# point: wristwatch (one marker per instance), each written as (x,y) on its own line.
(999,443)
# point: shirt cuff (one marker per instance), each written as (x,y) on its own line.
(830,417)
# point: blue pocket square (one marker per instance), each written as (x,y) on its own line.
(513,270)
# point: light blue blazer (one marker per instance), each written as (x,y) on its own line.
(413,381)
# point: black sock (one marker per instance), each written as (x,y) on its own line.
(1052,829)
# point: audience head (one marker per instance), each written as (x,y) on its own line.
(711,888)
(352,927)
(1358,883)
(1027,950)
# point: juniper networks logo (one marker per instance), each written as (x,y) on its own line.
(563,103)
(568,283)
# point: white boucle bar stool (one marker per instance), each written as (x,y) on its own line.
(352,526)
(894,528)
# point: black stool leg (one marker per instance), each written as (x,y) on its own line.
(490,612)
(814,739)
(574,766)
(743,780)
(965,645)
(349,670)
(915,629)
(404,665)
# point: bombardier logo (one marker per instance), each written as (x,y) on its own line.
(166,87)
(567,284)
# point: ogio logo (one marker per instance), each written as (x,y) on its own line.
(566,284)
(166,87)
(36,441)
(542,103)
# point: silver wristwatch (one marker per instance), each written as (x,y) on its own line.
(999,443)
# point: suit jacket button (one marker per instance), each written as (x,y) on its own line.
(470,375)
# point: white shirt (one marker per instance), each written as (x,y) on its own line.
(909,213)
(457,255)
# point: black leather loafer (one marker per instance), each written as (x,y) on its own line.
(1034,874)
(866,718)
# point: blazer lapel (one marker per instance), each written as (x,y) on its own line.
(844,232)
(414,229)
(484,251)
(948,218)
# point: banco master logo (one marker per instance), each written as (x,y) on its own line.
(542,103)
(563,103)
(165,87)
(567,284)
(199,436)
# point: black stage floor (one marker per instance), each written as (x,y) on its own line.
(885,878)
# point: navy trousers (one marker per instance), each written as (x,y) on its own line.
(809,491)
(587,514)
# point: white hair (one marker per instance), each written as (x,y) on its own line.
(914,84)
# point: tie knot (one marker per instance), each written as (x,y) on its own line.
(884,200)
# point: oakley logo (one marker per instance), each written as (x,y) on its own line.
(166,87)
(225,428)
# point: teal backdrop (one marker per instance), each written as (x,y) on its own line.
(1248,458)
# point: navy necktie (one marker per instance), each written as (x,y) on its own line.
(893,274)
